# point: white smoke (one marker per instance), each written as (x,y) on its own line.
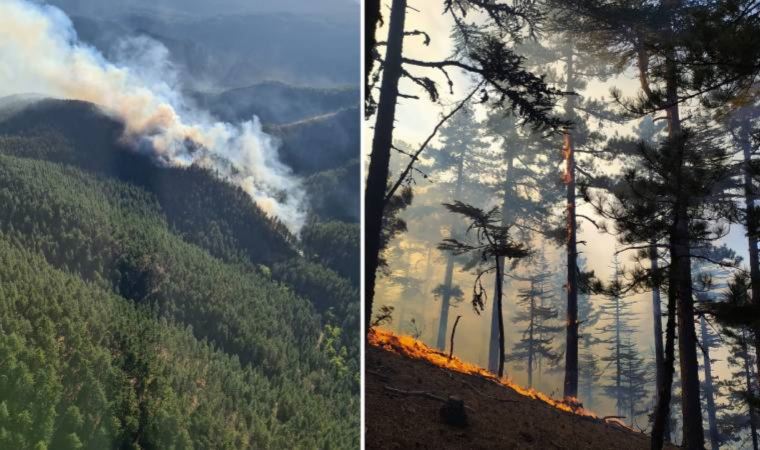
(40,53)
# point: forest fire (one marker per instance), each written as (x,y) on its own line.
(412,348)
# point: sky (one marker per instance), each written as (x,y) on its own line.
(415,120)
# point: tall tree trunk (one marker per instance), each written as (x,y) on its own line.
(499,268)
(443,320)
(618,367)
(657,321)
(571,347)
(496,336)
(372,16)
(377,175)
(691,406)
(748,379)
(530,338)
(752,222)
(712,421)
(662,412)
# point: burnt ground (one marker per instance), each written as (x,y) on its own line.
(499,417)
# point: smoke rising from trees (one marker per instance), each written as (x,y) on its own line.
(42,55)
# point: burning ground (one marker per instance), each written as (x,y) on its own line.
(407,384)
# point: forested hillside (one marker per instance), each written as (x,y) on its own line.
(186,306)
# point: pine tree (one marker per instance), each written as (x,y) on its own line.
(673,68)
(579,152)
(492,245)
(635,381)
(524,182)
(743,387)
(459,152)
(711,278)
(589,368)
(538,317)
(616,312)
(488,58)
(741,123)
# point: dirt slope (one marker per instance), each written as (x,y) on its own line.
(499,417)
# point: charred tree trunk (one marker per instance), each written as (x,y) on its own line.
(712,420)
(571,348)
(497,336)
(662,411)
(691,407)
(377,176)
(748,379)
(657,321)
(372,16)
(443,321)
(499,268)
(449,275)
(752,223)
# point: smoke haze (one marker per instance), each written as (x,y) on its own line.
(41,54)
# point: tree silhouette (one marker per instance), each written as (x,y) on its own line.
(491,244)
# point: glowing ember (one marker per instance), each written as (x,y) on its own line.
(412,348)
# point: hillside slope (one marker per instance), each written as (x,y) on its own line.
(184,251)
(83,368)
(499,417)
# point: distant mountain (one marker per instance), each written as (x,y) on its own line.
(320,143)
(277,103)
(229,51)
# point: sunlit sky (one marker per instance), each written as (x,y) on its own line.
(415,120)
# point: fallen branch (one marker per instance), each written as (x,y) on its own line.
(382,376)
(606,418)
(419,394)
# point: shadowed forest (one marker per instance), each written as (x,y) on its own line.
(564,193)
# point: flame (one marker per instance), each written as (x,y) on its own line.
(567,153)
(412,348)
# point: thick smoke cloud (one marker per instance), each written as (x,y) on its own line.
(41,54)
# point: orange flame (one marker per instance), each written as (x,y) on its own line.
(567,149)
(412,348)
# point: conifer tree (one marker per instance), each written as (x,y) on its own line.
(538,317)
(659,39)
(492,244)
(616,311)
(742,388)
(525,186)
(459,153)
(486,55)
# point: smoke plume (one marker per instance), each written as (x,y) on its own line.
(41,54)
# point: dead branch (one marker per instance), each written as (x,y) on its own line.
(382,376)
(453,330)
(416,156)
(420,394)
